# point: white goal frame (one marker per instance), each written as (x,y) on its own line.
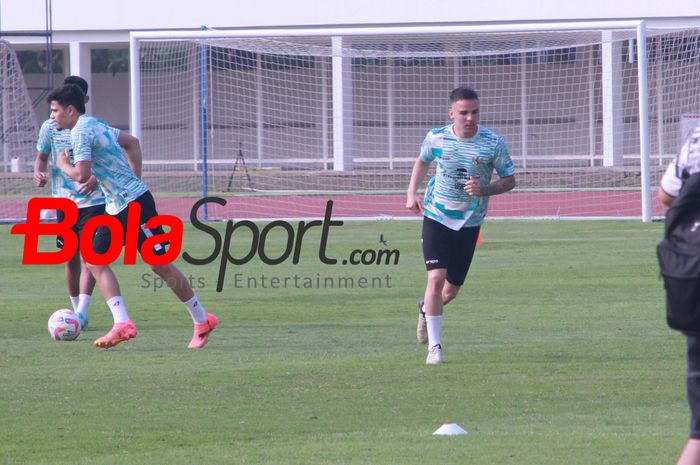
(337,34)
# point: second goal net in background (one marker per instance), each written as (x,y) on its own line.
(18,133)
(278,122)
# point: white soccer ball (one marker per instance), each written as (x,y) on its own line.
(64,325)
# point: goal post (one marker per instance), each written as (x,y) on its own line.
(643,96)
(340,113)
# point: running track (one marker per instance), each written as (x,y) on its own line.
(604,204)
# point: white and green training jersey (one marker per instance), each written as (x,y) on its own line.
(54,142)
(93,141)
(457,160)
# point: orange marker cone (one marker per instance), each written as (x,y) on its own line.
(479,240)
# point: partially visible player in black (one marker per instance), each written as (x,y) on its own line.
(689,160)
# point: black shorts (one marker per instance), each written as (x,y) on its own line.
(693,384)
(84,214)
(148,211)
(449,249)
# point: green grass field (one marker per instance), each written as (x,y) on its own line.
(557,353)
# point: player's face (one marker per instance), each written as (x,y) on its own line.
(62,116)
(465,117)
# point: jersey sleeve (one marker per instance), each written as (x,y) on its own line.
(81,140)
(502,162)
(115,133)
(43,143)
(427,152)
(670,182)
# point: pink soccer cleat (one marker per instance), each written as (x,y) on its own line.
(120,332)
(202,331)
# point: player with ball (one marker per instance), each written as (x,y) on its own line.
(87,196)
(95,152)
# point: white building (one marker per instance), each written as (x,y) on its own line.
(562,104)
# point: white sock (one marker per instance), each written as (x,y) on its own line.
(433,323)
(74,302)
(83,304)
(118,309)
(196,309)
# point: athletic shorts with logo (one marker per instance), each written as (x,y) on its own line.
(449,249)
(84,214)
(148,211)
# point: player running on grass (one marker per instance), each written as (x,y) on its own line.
(87,196)
(454,205)
(95,151)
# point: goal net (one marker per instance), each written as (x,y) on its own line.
(279,124)
(18,132)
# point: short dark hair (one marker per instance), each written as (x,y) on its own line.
(78,81)
(463,93)
(66,95)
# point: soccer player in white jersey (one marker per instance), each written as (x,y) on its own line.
(87,196)
(96,152)
(454,206)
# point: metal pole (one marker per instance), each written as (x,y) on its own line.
(259,108)
(205,135)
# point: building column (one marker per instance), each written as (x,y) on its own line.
(612,100)
(342,107)
(81,65)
